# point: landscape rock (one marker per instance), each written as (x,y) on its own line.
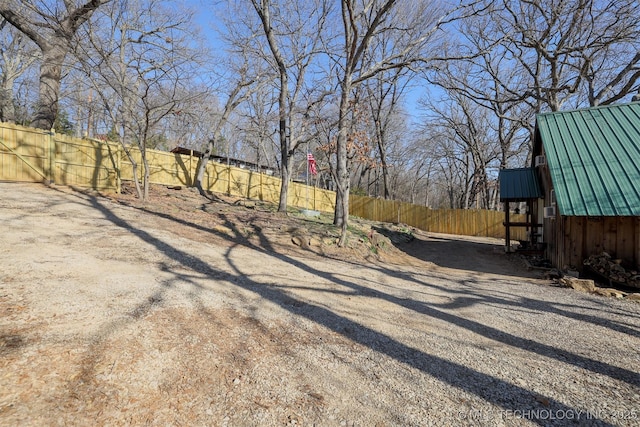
(552,274)
(582,285)
(610,292)
(634,297)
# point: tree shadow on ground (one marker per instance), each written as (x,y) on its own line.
(495,390)
(463,254)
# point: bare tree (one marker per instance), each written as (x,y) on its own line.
(384,95)
(467,125)
(580,51)
(51,26)
(520,58)
(138,59)
(256,124)
(495,128)
(244,76)
(293,35)
(408,28)
(240,91)
(17,54)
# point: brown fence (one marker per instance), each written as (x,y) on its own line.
(34,155)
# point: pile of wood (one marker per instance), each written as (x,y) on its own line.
(611,269)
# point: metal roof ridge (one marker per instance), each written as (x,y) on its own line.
(579,109)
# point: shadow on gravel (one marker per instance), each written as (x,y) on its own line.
(461,255)
(494,390)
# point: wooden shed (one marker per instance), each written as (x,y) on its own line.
(588,165)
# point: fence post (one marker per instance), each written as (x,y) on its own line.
(190,179)
(119,169)
(51,154)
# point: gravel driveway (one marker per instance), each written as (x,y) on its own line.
(113,316)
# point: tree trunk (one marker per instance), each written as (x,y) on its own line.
(50,75)
(134,172)
(7,109)
(284,186)
(385,169)
(285,141)
(145,181)
(341,215)
(134,164)
(202,167)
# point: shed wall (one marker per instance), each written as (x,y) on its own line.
(578,237)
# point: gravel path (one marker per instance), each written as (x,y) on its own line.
(113,316)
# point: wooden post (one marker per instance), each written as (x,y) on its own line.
(191,178)
(529,218)
(52,156)
(118,169)
(507,237)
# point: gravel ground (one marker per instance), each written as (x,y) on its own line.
(111,314)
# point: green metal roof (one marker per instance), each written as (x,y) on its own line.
(518,185)
(593,157)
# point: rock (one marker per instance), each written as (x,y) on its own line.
(609,292)
(376,239)
(582,285)
(314,242)
(612,270)
(552,274)
(634,297)
(249,204)
(301,240)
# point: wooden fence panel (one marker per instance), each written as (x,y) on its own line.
(24,154)
(86,163)
(239,183)
(468,222)
(28,154)
(325,200)
(254,186)
(270,189)
(165,168)
(216,178)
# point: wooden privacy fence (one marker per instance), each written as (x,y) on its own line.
(467,222)
(179,169)
(33,155)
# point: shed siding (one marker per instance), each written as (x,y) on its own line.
(578,237)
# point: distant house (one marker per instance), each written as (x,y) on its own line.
(587,163)
(243,164)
